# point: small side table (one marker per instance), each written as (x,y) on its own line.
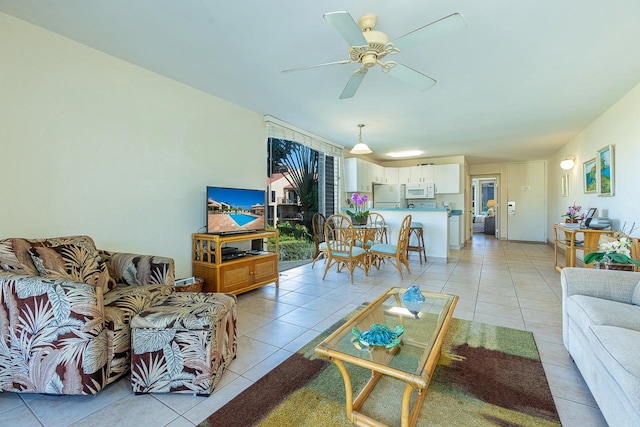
(490,225)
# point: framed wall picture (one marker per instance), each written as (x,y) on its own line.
(605,171)
(590,173)
(565,185)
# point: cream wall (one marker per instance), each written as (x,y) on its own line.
(93,145)
(618,126)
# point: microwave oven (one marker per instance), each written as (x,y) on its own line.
(424,191)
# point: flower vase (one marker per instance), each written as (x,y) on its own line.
(359,220)
(614,266)
(571,221)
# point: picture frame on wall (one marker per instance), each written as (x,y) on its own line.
(590,174)
(565,185)
(605,171)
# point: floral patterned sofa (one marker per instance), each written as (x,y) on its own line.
(65,308)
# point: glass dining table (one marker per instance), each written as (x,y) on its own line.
(366,236)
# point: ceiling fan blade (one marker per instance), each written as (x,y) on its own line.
(347,27)
(409,75)
(290,70)
(430,31)
(353,84)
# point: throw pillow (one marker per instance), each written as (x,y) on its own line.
(15,256)
(77,262)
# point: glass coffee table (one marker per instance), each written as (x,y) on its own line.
(413,360)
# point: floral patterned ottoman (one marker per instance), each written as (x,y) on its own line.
(183,344)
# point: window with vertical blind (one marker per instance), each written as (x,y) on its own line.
(307,151)
(282,130)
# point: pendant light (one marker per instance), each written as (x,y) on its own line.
(360,147)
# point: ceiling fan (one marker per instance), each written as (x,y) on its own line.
(367,47)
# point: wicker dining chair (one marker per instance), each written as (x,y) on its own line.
(377,220)
(317,224)
(396,254)
(342,250)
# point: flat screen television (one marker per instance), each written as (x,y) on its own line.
(235,210)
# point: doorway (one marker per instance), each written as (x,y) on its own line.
(484,205)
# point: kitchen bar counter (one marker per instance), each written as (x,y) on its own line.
(435,222)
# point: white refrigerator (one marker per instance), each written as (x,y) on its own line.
(389,196)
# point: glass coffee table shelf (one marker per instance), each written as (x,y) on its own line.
(412,361)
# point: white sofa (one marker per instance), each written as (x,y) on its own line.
(601,330)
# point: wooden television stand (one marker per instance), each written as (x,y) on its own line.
(256,268)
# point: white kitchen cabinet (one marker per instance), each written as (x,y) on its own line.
(447,178)
(391,176)
(404,175)
(377,173)
(416,175)
(428,173)
(456,232)
(357,175)
(350,174)
(364,176)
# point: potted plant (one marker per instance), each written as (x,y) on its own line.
(613,255)
(573,214)
(359,215)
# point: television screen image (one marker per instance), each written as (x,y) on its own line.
(235,210)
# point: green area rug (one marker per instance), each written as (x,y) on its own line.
(486,376)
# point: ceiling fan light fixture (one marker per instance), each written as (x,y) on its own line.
(408,153)
(360,147)
(368,47)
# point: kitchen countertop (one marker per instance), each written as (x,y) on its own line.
(435,223)
(454,212)
(410,209)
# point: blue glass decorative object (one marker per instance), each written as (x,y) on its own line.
(413,299)
(380,335)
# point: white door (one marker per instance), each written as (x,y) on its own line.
(526,201)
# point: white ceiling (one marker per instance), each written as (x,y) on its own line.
(517,83)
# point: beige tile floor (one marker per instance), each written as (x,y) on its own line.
(507,284)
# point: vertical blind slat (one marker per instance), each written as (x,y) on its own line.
(280,131)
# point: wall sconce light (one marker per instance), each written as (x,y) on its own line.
(568,163)
(360,147)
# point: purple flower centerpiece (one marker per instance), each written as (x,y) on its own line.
(359,215)
(573,214)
